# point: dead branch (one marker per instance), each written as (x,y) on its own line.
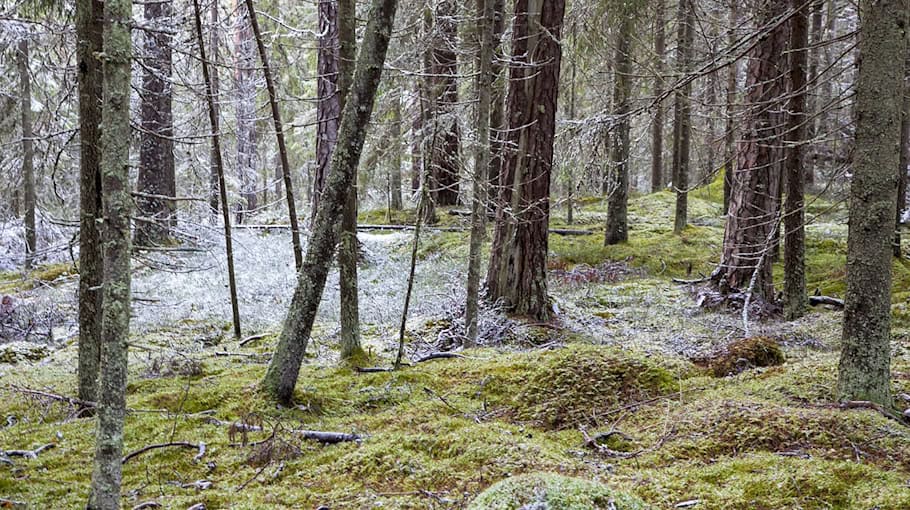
(147,504)
(27,454)
(52,396)
(439,355)
(181,444)
(11,503)
(373,370)
(251,339)
(826,300)
(313,435)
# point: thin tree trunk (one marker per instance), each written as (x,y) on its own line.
(796,300)
(657,125)
(244,66)
(415,245)
(485,16)
(904,162)
(156,151)
(617,227)
(116,203)
(682,126)
(815,58)
(219,168)
(279,135)
(28,150)
(864,372)
(570,177)
(517,274)
(498,121)
(730,131)
(91,270)
(395,199)
(214,187)
(281,376)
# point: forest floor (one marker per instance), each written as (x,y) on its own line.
(617,390)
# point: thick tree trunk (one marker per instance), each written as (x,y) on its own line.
(246,87)
(682,122)
(518,261)
(28,150)
(279,135)
(617,228)
(753,215)
(91,270)
(657,125)
(116,203)
(156,149)
(864,372)
(282,374)
(485,14)
(730,131)
(328,107)
(443,88)
(795,296)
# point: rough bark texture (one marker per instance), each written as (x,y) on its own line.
(282,373)
(517,273)
(443,95)
(485,14)
(864,372)
(754,207)
(91,271)
(617,228)
(730,131)
(682,122)
(116,203)
(245,84)
(657,125)
(328,107)
(28,149)
(156,149)
(796,300)
(279,135)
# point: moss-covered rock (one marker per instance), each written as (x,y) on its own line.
(547,491)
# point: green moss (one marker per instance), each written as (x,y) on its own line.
(744,353)
(553,492)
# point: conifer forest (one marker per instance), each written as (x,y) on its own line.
(454,254)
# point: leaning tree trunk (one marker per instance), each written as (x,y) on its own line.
(657,125)
(281,376)
(156,179)
(682,108)
(28,150)
(617,227)
(753,215)
(864,372)
(517,274)
(443,89)
(795,298)
(116,203)
(246,89)
(88,43)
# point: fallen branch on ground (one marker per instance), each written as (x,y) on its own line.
(314,435)
(52,396)
(28,454)
(11,503)
(826,300)
(439,355)
(181,444)
(251,339)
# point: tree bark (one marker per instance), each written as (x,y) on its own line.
(815,58)
(156,150)
(116,203)
(281,376)
(28,150)
(485,14)
(216,100)
(279,135)
(617,227)
(730,132)
(244,77)
(795,296)
(864,372)
(682,123)
(657,125)
(754,210)
(904,162)
(89,43)
(328,107)
(395,199)
(517,274)
(443,89)
(498,104)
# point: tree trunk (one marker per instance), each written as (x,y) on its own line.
(815,58)
(28,150)
(518,261)
(216,101)
(753,214)
(443,89)
(795,296)
(485,14)
(245,79)
(279,135)
(282,373)
(88,43)
(156,149)
(730,131)
(116,203)
(657,125)
(682,123)
(617,228)
(395,199)
(904,162)
(328,107)
(497,102)
(864,372)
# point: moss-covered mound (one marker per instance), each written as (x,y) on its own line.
(547,491)
(743,354)
(576,385)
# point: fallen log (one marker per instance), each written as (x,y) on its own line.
(180,444)
(826,300)
(313,435)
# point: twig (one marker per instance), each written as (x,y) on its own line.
(182,444)
(443,400)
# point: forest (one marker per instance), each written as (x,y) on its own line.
(479,254)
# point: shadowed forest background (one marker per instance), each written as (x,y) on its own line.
(487,254)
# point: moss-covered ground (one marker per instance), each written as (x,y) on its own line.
(610,408)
